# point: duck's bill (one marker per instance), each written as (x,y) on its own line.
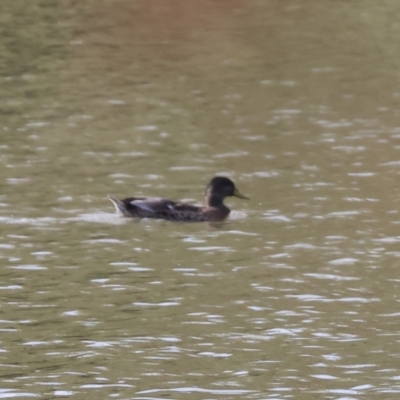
(236,193)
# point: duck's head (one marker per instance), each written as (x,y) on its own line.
(219,188)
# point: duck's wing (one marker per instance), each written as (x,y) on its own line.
(152,204)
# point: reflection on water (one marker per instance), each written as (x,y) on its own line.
(295,296)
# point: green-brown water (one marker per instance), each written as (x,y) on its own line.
(296,296)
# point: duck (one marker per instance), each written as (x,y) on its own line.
(154,207)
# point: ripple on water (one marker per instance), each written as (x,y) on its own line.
(230,155)
(343,214)
(8,393)
(388,239)
(232,232)
(185,270)
(6,246)
(323,299)
(332,277)
(11,287)
(212,248)
(344,261)
(104,240)
(196,389)
(28,267)
(361,174)
(28,221)
(102,218)
(63,393)
(161,304)
(325,377)
(235,215)
(187,168)
(280,218)
(306,246)
(359,199)
(263,174)
(192,239)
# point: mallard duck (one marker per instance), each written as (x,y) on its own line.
(155,207)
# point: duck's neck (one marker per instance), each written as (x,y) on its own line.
(213,200)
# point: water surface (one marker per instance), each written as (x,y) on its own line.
(296,295)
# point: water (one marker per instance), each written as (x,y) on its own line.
(295,296)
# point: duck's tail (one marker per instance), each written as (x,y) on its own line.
(119,205)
